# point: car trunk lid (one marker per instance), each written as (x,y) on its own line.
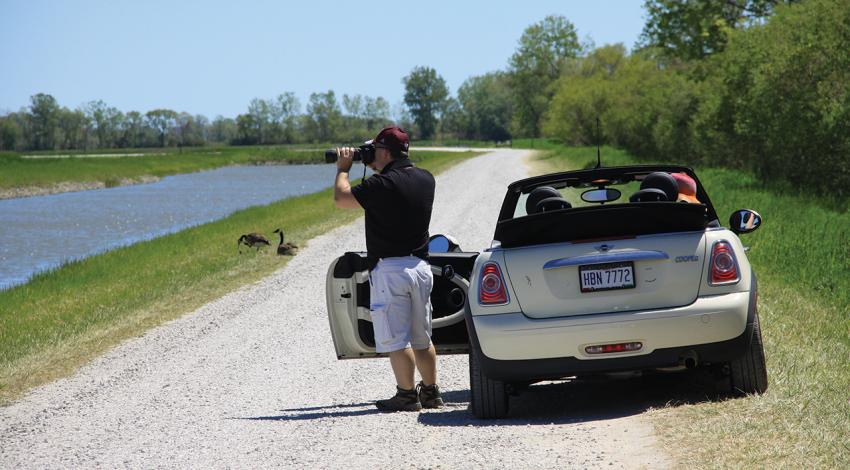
(581,278)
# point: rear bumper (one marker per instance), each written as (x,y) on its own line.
(517,348)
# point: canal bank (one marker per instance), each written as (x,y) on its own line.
(41,233)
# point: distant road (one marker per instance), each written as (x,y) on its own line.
(252,380)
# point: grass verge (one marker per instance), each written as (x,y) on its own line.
(802,258)
(65,317)
(49,169)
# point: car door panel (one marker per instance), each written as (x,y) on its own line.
(347,292)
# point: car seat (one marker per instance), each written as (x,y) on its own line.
(657,186)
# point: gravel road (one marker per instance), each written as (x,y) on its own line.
(252,380)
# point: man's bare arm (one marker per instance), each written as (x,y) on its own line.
(342,187)
(342,192)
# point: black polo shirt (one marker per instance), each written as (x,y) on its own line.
(398,203)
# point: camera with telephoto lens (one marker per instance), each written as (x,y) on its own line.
(365,153)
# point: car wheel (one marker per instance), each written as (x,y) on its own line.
(489,397)
(749,372)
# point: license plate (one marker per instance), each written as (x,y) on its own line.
(610,276)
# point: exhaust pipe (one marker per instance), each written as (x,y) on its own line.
(689,360)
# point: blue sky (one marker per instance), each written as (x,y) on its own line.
(213,57)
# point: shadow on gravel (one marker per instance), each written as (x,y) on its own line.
(318,412)
(584,400)
(571,401)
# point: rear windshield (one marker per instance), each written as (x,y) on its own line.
(573,196)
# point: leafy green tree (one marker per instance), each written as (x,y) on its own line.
(260,111)
(353,105)
(324,117)
(454,121)
(190,130)
(246,130)
(425,95)
(10,133)
(72,125)
(161,120)
(133,131)
(44,117)
(487,108)
(223,129)
(376,111)
(642,107)
(542,51)
(693,29)
(778,104)
(107,121)
(283,112)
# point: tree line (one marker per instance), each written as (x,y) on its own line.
(762,85)
(45,125)
(756,84)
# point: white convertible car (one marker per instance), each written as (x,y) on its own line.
(590,271)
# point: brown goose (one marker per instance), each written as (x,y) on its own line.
(252,240)
(285,248)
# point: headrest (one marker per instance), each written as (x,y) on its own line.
(663,181)
(538,194)
(552,204)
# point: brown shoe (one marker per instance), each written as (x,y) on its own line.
(429,395)
(404,400)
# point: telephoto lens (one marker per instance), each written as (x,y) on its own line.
(331,156)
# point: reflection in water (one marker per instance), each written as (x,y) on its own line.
(39,233)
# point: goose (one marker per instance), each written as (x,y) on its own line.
(252,240)
(285,248)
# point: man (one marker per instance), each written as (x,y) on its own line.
(398,200)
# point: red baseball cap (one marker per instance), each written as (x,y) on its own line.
(393,138)
(687,187)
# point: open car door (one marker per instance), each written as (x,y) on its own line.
(348,304)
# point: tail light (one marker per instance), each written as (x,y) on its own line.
(491,287)
(724,266)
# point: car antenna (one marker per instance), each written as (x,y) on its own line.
(598,155)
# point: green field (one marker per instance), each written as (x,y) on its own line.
(801,255)
(64,318)
(50,168)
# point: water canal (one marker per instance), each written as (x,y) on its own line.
(39,233)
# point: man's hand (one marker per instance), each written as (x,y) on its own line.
(345,159)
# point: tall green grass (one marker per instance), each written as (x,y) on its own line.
(65,317)
(801,256)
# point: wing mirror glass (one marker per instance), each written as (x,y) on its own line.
(442,244)
(601,195)
(744,221)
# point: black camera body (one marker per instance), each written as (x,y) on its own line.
(364,153)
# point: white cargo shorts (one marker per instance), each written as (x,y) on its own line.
(400,294)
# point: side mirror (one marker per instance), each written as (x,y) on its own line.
(600,195)
(744,221)
(442,244)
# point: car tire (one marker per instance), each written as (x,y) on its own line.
(489,398)
(749,372)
